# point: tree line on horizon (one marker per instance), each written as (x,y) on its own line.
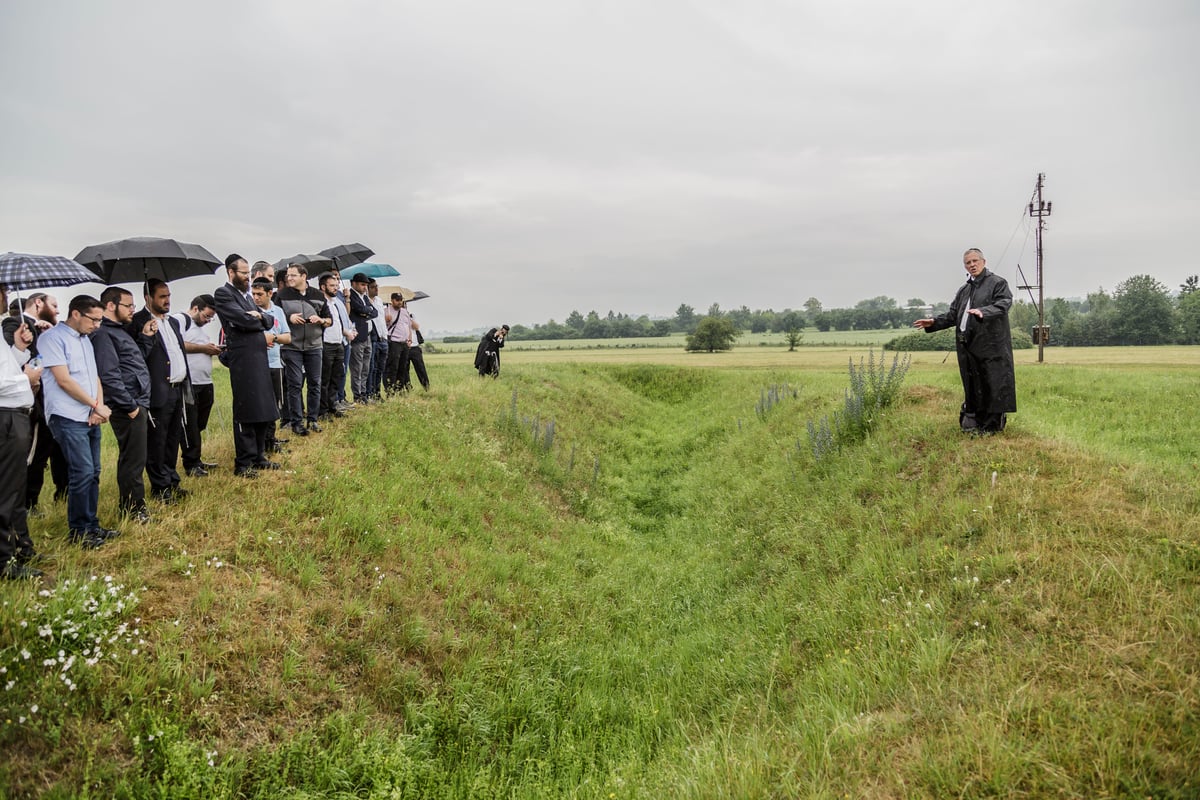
(1141,310)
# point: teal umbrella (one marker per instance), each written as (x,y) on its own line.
(371,270)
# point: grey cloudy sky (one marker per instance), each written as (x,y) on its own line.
(520,159)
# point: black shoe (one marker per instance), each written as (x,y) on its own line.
(279,441)
(15,571)
(262,465)
(299,429)
(197,472)
(246,472)
(314,427)
(139,515)
(166,497)
(104,533)
(209,464)
(29,559)
(180,492)
(85,539)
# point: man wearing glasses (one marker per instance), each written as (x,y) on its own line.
(125,380)
(75,410)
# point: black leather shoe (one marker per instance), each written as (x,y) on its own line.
(209,464)
(166,497)
(14,571)
(299,429)
(268,465)
(180,492)
(314,427)
(248,473)
(197,472)
(85,539)
(104,533)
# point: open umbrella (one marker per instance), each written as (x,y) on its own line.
(314,263)
(143,257)
(19,271)
(371,270)
(408,294)
(347,255)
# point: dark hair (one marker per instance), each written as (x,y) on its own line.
(203,301)
(113,294)
(82,303)
(262,282)
(261,267)
(325,276)
(33,298)
(280,275)
(151,286)
(303,270)
(232,259)
(505,328)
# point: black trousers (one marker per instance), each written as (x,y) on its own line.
(162,442)
(16,431)
(45,449)
(195,423)
(395,377)
(417,359)
(300,366)
(333,375)
(131,435)
(250,443)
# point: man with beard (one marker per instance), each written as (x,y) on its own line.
(41,314)
(362,314)
(379,345)
(75,410)
(399,334)
(979,315)
(247,337)
(168,369)
(333,355)
(126,382)
(307,316)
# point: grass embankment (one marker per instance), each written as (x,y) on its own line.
(671,599)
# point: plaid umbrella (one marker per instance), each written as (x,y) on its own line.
(143,257)
(347,255)
(19,271)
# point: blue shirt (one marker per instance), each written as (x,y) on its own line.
(274,361)
(62,346)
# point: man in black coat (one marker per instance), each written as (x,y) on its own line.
(362,311)
(167,364)
(979,315)
(487,354)
(126,383)
(247,336)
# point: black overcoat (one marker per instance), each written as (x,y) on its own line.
(487,354)
(246,354)
(985,360)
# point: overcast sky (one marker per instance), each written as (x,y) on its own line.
(520,159)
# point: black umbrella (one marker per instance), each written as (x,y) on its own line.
(347,255)
(313,263)
(144,257)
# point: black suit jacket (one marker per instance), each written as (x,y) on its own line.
(362,311)
(157,362)
(246,355)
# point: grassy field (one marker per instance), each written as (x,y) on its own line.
(605,575)
(812,337)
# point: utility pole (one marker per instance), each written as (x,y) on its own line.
(1039,210)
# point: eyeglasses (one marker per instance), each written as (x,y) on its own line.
(94,319)
(125,305)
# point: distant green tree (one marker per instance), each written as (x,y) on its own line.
(662,327)
(712,334)
(793,337)
(740,317)
(1189,318)
(1144,312)
(813,306)
(715,310)
(575,321)
(789,321)
(1192,284)
(915,302)
(685,318)
(594,327)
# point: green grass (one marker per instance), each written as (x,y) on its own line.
(672,600)
(812,337)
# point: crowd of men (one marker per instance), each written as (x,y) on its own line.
(289,348)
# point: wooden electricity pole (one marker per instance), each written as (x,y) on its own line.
(1039,210)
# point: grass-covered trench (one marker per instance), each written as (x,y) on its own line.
(658,595)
